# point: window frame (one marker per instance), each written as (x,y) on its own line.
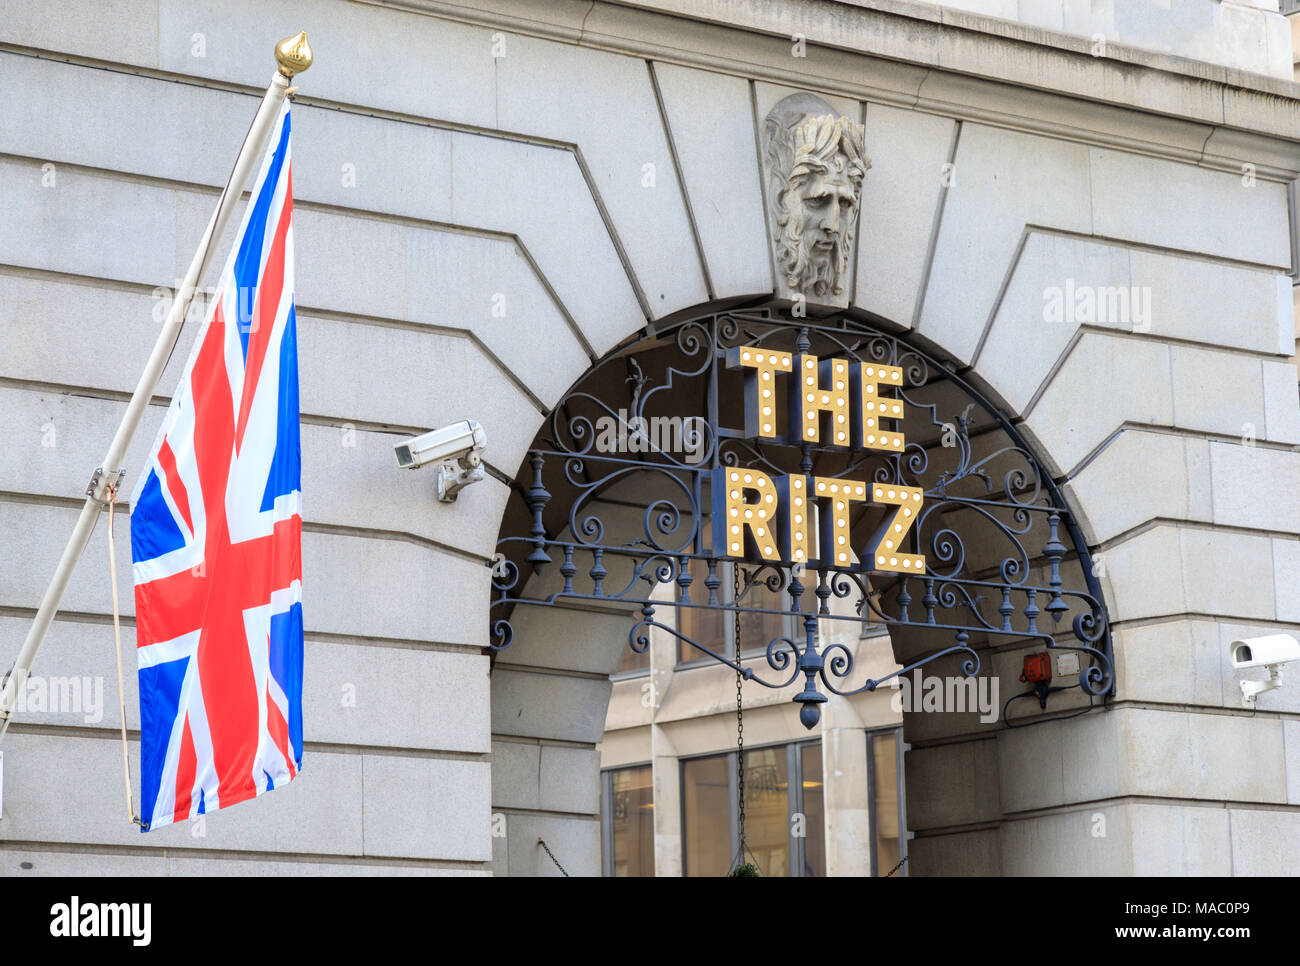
(790,627)
(1293,219)
(607,812)
(873,734)
(794,751)
(733,802)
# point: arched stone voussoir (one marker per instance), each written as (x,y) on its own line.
(545,638)
(1103,383)
(1061,283)
(1168,570)
(1139,476)
(1108,380)
(910,171)
(539,194)
(711,123)
(605,104)
(1001,182)
(428,275)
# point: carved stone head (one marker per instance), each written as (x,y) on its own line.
(815,164)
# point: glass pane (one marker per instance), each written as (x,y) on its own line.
(767,811)
(756,630)
(705,625)
(885,775)
(707,815)
(814,809)
(633,821)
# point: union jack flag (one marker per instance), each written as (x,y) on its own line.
(216,535)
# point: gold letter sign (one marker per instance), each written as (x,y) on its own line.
(754,512)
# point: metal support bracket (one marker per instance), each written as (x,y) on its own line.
(1251,690)
(7,701)
(452,478)
(93,486)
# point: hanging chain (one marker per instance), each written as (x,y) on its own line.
(896,868)
(740,717)
(542,843)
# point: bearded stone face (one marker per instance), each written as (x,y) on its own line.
(816,163)
(822,205)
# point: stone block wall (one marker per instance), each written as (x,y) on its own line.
(486,203)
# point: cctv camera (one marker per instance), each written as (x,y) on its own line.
(1263,651)
(463,442)
(458,441)
(1270,651)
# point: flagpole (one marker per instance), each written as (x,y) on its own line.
(293,56)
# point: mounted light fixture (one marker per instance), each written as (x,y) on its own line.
(1037,671)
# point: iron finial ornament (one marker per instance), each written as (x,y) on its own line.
(293,54)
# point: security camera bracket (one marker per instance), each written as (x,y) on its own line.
(1250,690)
(454,477)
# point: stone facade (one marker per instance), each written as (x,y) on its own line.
(487,202)
(1250,35)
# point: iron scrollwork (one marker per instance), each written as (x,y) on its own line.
(998,538)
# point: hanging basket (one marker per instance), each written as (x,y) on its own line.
(745,870)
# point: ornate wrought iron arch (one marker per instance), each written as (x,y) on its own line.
(1005,560)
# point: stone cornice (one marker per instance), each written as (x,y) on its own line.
(943,61)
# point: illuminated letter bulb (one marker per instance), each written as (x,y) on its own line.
(730,488)
(889,539)
(874,407)
(760,368)
(825,390)
(795,534)
(836,550)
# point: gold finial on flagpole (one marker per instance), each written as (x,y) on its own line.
(293,54)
